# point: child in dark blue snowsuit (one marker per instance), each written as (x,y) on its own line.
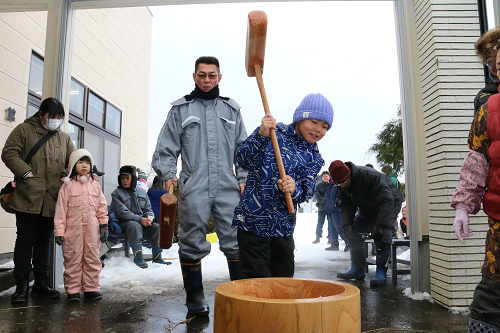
(265,229)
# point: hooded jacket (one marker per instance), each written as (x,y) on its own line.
(262,208)
(79,203)
(370,192)
(47,166)
(132,203)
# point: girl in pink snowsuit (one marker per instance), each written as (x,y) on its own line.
(80,225)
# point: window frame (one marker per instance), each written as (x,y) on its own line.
(105,118)
(33,52)
(106,103)
(85,101)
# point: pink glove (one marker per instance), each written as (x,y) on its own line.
(461,224)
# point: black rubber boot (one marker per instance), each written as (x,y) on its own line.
(41,286)
(22,288)
(73,297)
(193,284)
(234,269)
(92,295)
(358,263)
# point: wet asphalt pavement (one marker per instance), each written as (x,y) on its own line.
(383,309)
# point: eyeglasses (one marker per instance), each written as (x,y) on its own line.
(211,76)
(343,183)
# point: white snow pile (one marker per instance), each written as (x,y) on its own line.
(460,311)
(405,255)
(122,279)
(7,265)
(418,296)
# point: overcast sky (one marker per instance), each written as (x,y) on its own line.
(343,50)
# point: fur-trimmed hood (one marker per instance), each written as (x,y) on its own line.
(131,170)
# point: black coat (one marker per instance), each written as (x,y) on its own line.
(321,194)
(484,94)
(370,192)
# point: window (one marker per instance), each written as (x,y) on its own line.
(76,98)
(94,124)
(111,167)
(75,133)
(106,156)
(96,109)
(113,119)
(32,110)
(36,74)
(104,115)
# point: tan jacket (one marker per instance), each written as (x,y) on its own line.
(47,166)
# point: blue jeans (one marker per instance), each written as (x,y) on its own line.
(335,229)
(321,221)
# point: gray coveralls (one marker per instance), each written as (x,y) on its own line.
(130,215)
(207,134)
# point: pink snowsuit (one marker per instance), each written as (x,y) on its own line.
(80,208)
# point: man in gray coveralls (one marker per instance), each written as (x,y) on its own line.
(207,130)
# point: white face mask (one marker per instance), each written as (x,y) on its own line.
(53,124)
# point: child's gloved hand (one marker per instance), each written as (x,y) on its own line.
(268,125)
(114,227)
(287,184)
(461,224)
(103,230)
(59,240)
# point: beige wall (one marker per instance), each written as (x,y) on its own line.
(446,77)
(111,56)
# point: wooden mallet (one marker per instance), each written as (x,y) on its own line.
(168,209)
(254,63)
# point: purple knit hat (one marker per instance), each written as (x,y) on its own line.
(314,106)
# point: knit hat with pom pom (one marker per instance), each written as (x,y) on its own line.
(75,157)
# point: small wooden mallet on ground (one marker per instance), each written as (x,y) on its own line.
(254,63)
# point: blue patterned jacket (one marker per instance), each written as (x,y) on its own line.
(262,208)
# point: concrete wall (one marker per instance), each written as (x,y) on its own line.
(111,56)
(447,76)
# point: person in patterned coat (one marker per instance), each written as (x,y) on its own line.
(480,183)
(265,229)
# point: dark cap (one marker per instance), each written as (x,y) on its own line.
(339,172)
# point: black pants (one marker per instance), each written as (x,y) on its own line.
(366,225)
(485,305)
(35,234)
(265,257)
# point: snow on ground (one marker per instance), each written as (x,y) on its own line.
(418,296)
(122,279)
(461,311)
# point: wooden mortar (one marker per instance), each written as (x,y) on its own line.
(287,305)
